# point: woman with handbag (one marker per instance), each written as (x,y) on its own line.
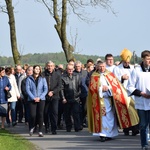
(36,88)
(4,86)
(11,109)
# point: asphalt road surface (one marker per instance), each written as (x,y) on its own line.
(82,140)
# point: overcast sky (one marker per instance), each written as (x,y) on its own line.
(36,33)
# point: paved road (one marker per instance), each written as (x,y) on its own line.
(77,140)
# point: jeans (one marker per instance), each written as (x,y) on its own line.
(12,109)
(144,116)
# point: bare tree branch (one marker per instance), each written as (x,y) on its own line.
(3,9)
(60,12)
(79,8)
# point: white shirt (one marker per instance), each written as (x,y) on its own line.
(110,68)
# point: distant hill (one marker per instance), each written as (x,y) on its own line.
(41,59)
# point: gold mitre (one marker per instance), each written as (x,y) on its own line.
(126,55)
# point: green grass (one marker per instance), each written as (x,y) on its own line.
(9,141)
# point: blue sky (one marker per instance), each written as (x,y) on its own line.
(36,33)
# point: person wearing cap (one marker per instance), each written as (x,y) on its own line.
(139,86)
(107,99)
(123,72)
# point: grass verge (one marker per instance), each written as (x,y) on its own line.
(9,141)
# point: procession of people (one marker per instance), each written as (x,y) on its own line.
(101,96)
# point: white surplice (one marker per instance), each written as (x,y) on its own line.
(110,68)
(140,80)
(119,71)
(109,124)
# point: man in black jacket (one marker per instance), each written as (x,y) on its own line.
(70,92)
(53,79)
(82,74)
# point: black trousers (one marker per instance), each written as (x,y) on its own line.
(51,114)
(36,114)
(72,109)
(134,129)
(83,111)
(19,110)
(60,112)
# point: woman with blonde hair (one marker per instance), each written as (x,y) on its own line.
(11,110)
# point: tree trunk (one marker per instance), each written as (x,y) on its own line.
(15,52)
(61,29)
(60,6)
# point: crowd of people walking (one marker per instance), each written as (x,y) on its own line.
(101,95)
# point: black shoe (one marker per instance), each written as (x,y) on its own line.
(102,139)
(68,130)
(108,138)
(81,128)
(54,132)
(134,133)
(14,124)
(47,130)
(60,127)
(76,130)
(126,133)
(20,121)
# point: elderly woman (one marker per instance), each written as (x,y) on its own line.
(4,87)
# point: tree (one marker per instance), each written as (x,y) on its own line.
(9,10)
(59,11)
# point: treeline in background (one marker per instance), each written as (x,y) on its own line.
(57,58)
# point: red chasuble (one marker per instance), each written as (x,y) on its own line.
(126,114)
